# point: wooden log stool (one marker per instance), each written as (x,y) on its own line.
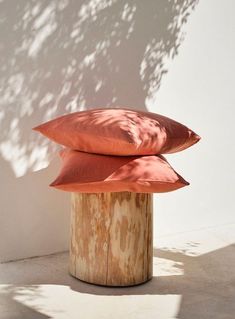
(111,239)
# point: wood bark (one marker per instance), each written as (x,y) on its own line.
(111,239)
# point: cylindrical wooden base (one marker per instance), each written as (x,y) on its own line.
(111,239)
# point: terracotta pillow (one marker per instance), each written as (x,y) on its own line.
(119,132)
(93,173)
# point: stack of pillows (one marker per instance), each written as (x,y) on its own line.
(116,150)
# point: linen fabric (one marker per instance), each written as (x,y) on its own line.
(119,131)
(92,173)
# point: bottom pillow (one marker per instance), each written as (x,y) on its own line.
(92,173)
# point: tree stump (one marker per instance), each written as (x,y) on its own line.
(111,239)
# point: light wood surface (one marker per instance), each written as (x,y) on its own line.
(111,238)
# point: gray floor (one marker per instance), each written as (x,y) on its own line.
(194,278)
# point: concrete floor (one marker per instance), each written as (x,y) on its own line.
(194,278)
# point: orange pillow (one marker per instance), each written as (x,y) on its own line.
(93,173)
(119,132)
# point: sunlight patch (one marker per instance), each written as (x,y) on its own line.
(167,267)
(44,26)
(60,302)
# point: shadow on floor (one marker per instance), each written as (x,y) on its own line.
(206,289)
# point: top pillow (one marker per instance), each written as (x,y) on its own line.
(119,132)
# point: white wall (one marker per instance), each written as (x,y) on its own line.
(61,56)
(199,91)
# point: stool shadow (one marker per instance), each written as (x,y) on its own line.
(207,287)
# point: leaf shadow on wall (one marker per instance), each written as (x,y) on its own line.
(68,55)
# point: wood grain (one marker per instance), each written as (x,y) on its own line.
(111,238)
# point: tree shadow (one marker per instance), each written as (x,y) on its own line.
(62,56)
(12,309)
(67,55)
(207,287)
